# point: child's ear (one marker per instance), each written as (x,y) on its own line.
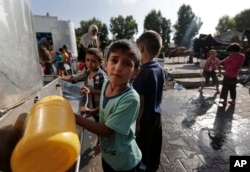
(141,48)
(135,72)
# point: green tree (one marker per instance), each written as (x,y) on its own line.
(103,36)
(242,20)
(155,21)
(225,24)
(186,27)
(123,28)
(239,22)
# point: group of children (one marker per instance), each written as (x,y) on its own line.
(231,64)
(125,95)
(124,98)
(62,61)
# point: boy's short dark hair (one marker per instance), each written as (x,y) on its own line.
(234,47)
(153,42)
(61,50)
(96,52)
(126,45)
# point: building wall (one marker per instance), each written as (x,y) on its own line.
(63,32)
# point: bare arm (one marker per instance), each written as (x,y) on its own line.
(219,67)
(69,78)
(95,127)
(95,92)
(138,121)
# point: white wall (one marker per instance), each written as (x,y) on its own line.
(63,32)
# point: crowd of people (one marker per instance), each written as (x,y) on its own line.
(54,63)
(127,119)
(124,92)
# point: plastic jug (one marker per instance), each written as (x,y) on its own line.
(50,140)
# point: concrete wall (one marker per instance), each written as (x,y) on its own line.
(63,32)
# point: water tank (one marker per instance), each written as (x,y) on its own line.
(20,71)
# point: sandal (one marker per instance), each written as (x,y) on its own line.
(231,102)
(224,103)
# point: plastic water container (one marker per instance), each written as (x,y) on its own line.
(72,91)
(50,140)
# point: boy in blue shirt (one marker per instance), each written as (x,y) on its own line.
(149,84)
(118,110)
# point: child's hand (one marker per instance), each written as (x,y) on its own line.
(87,111)
(85,90)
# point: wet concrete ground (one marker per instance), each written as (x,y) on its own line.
(198,134)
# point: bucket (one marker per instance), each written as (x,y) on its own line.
(50,141)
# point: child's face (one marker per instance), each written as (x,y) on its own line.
(92,63)
(212,54)
(120,67)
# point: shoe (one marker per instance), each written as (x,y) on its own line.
(232,102)
(141,167)
(224,103)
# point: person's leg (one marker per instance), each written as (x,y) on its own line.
(224,91)
(217,88)
(202,85)
(190,60)
(233,91)
(215,82)
(48,68)
(143,140)
(156,145)
(206,76)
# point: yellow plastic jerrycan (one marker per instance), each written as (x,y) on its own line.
(50,141)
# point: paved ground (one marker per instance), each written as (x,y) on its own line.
(198,134)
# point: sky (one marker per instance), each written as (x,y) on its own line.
(77,10)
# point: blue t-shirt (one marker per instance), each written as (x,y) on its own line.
(119,113)
(149,83)
(58,58)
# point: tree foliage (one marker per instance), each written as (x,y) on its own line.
(242,20)
(123,28)
(239,22)
(155,21)
(225,24)
(186,27)
(103,36)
